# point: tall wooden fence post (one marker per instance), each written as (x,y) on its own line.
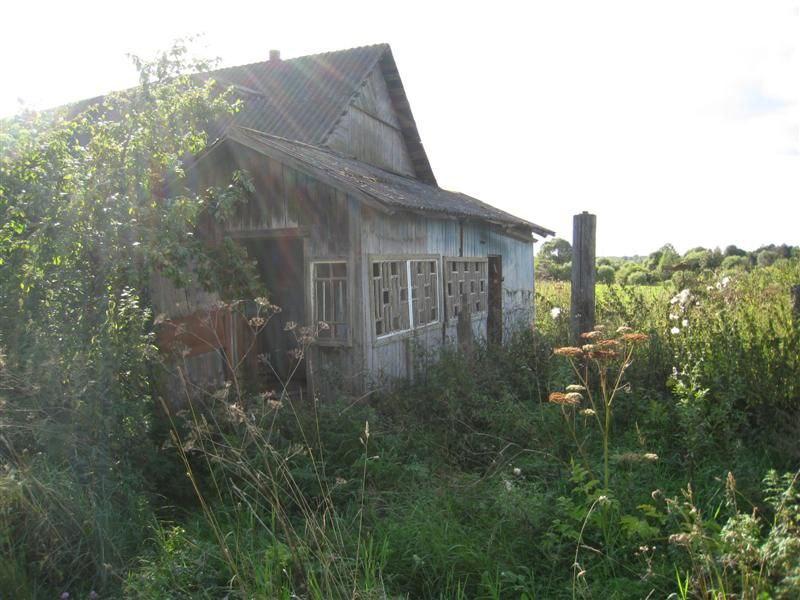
(796,304)
(582,305)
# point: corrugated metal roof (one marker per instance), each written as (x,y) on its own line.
(390,189)
(301,98)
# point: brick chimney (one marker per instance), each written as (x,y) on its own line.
(274,56)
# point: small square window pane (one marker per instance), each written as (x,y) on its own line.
(323,270)
(339,269)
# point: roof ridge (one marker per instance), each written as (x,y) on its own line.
(294,58)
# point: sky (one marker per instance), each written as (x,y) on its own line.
(673,121)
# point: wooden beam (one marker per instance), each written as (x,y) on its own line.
(582,306)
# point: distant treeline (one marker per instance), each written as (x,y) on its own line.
(554,262)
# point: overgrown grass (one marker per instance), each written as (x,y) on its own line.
(468,482)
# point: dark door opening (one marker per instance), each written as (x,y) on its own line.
(494,319)
(280,266)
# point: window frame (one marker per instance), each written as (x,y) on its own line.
(447,281)
(348,309)
(407,259)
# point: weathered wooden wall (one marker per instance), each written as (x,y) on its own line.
(406,235)
(370,130)
(286,203)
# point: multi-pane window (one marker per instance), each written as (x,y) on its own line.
(424,291)
(404,294)
(390,296)
(330,300)
(466,286)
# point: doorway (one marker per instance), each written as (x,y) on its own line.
(494,318)
(280,265)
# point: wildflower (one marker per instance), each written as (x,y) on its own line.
(624,329)
(508,485)
(574,397)
(599,327)
(588,412)
(681,298)
(555,312)
(675,331)
(603,355)
(635,338)
(588,347)
(290,326)
(262,301)
(564,399)
(517,471)
(340,481)
(575,388)
(609,343)
(257,322)
(569,351)
(650,456)
(685,322)
(591,335)
(680,539)
(323,326)
(602,499)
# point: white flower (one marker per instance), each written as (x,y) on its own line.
(674,331)
(681,298)
(555,312)
(517,471)
(685,322)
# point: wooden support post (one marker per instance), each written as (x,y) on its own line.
(582,304)
(796,304)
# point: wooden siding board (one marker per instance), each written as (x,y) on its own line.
(370,129)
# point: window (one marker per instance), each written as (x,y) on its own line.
(466,286)
(390,296)
(425,287)
(404,294)
(330,300)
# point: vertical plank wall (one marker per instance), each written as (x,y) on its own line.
(410,234)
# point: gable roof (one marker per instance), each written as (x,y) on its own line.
(388,189)
(304,98)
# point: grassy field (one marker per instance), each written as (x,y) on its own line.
(670,471)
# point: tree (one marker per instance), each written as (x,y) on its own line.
(91,207)
(554,260)
(605,274)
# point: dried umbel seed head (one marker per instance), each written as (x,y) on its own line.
(588,412)
(635,338)
(650,456)
(588,347)
(290,326)
(599,327)
(257,322)
(574,397)
(592,335)
(603,355)
(570,351)
(575,388)
(624,329)
(609,344)
(680,539)
(564,399)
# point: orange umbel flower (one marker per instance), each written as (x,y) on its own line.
(603,354)
(635,338)
(591,335)
(564,399)
(608,344)
(570,351)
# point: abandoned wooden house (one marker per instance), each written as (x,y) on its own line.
(348,227)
